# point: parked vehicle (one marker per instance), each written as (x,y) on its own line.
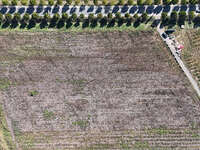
(169,31)
(164,35)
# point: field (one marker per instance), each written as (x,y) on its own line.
(191,53)
(95,90)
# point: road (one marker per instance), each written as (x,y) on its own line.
(151,10)
(179,61)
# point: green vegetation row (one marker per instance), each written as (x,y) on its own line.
(57,21)
(180,18)
(97,2)
(6,142)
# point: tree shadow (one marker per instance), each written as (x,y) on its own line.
(111,23)
(69,23)
(60,24)
(85,23)
(128,22)
(43,24)
(120,22)
(6,24)
(77,23)
(52,24)
(136,23)
(23,25)
(31,24)
(93,23)
(103,22)
(14,24)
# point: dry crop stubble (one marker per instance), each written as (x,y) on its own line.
(93,85)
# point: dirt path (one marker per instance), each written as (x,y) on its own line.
(180,62)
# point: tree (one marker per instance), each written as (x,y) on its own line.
(183,2)
(95,2)
(148,2)
(182,17)
(164,17)
(1,18)
(130,2)
(55,18)
(103,21)
(65,17)
(69,2)
(174,2)
(51,2)
(14,2)
(59,2)
(127,15)
(135,16)
(47,17)
(99,16)
(91,17)
(112,2)
(105,2)
(109,16)
(81,17)
(157,2)
(26,18)
(24,2)
(191,16)
(35,17)
(32,2)
(192,2)
(196,20)
(16,18)
(144,17)
(45,20)
(8,18)
(77,2)
(166,2)
(173,17)
(121,2)
(140,2)
(129,20)
(42,3)
(118,15)
(85,2)
(74,17)
(5,2)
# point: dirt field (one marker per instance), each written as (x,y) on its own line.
(77,90)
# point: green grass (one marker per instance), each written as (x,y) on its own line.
(78,82)
(141,145)
(33,93)
(48,115)
(81,123)
(5,83)
(160,131)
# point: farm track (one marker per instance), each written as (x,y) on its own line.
(192,56)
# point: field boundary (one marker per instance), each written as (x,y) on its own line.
(180,62)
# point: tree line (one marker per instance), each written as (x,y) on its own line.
(98,2)
(180,18)
(59,21)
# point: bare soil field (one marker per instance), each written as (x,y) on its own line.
(105,90)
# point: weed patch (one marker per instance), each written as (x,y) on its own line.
(48,115)
(33,93)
